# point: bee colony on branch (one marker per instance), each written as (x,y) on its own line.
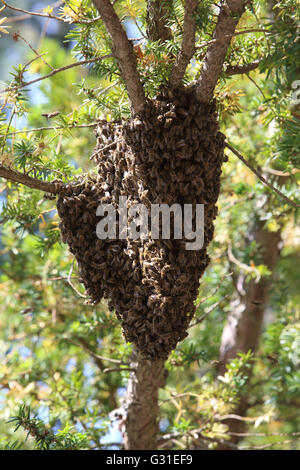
(170,154)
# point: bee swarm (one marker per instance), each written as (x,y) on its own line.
(171,154)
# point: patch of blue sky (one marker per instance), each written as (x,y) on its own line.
(24,352)
(121,391)
(70,366)
(132,29)
(3,397)
(79,427)
(113,435)
(2,201)
(88,370)
(164,424)
(43,413)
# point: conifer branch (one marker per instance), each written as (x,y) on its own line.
(26,180)
(188,44)
(124,53)
(55,71)
(28,14)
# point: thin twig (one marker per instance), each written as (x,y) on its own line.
(235,417)
(49,15)
(211,309)
(215,290)
(7,128)
(54,71)
(35,52)
(43,35)
(253,30)
(236,33)
(97,356)
(71,284)
(241,265)
(103,149)
(117,369)
(53,128)
(61,278)
(271,444)
(260,177)
(195,435)
(257,86)
(86,347)
(284,174)
(264,434)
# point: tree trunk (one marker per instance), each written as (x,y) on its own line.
(243,328)
(141,408)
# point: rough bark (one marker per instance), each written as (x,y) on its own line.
(240,69)
(22,178)
(188,44)
(123,51)
(243,328)
(141,408)
(157,14)
(214,58)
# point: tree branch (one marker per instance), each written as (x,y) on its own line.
(21,178)
(55,71)
(28,14)
(123,51)
(53,128)
(244,68)
(188,44)
(214,58)
(196,435)
(241,265)
(83,344)
(211,309)
(260,177)
(157,13)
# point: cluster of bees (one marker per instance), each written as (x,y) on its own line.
(171,154)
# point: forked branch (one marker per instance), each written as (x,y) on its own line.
(123,51)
